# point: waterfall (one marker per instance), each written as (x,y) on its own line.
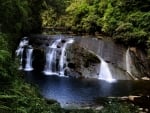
(105,73)
(128,61)
(19,52)
(28,65)
(63,56)
(54,53)
(51,54)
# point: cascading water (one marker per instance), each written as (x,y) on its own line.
(63,56)
(105,73)
(51,58)
(19,51)
(28,65)
(128,61)
(51,67)
(23,42)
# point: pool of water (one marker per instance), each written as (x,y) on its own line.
(79,92)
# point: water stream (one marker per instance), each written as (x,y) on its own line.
(105,73)
(28,65)
(63,56)
(19,52)
(56,51)
(128,61)
(50,67)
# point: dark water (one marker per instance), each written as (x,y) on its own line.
(78,92)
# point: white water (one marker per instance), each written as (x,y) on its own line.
(19,51)
(105,73)
(22,43)
(63,56)
(51,58)
(28,65)
(128,61)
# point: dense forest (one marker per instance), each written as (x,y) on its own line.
(126,21)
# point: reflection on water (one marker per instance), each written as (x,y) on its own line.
(71,91)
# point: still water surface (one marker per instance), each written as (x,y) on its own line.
(78,92)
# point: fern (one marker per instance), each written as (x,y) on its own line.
(8,96)
(4,109)
(4,55)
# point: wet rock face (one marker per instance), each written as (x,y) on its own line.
(140,67)
(115,56)
(39,43)
(82,62)
(38,59)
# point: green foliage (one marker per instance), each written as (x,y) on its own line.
(4,57)
(48,17)
(23,98)
(58,5)
(126,21)
(20,16)
(3,41)
(109,19)
(52,13)
(116,107)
